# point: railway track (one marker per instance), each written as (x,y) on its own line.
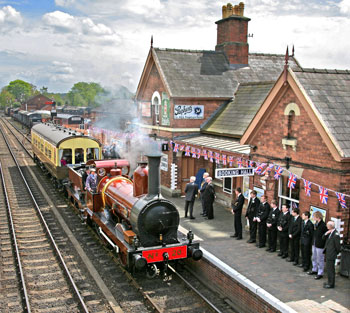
(42,282)
(134,294)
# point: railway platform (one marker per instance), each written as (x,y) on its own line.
(279,278)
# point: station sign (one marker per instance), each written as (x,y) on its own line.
(234,172)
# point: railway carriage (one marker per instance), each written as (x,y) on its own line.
(56,148)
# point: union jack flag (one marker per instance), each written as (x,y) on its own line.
(341,198)
(187,151)
(249,163)
(240,162)
(182,148)
(323,194)
(278,172)
(210,155)
(198,153)
(268,169)
(307,187)
(292,180)
(217,158)
(260,168)
(176,147)
(205,154)
(230,161)
(294,205)
(224,162)
(193,151)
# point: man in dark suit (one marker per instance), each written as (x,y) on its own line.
(237,212)
(331,250)
(318,244)
(307,232)
(271,224)
(253,205)
(261,216)
(191,190)
(208,198)
(294,236)
(201,190)
(283,228)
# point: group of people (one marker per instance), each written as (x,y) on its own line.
(206,193)
(295,233)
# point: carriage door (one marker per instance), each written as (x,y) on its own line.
(187,170)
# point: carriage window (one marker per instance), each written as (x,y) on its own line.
(65,156)
(79,155)
(92,154)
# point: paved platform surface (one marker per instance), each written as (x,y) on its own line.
(286,282)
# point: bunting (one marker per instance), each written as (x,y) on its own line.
(260,169)
(278,172)
(292,180)
(307,187)
(323,194)
(341,198)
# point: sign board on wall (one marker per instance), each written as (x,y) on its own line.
(146,109)
(164,162)
(234,172)
(165,110)
(189,112)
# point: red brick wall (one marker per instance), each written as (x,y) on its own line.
(311,154)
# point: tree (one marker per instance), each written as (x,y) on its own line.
(21,90)
(6,98)
(84,94)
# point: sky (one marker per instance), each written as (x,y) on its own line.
(56,43)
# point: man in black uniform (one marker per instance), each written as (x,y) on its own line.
(237,212)
(271,224)
(253,205)
(283,228)
(208,198)
(331,250)
(201,190)
(191,191)
(261,216)
(294,236)
(307,232)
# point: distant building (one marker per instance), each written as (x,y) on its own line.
(38,102)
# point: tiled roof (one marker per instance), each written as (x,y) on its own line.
(235,117)
(207,74)
(329,91)
(216,143)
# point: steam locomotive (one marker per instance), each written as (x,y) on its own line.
(131,215)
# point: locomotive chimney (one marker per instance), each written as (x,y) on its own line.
(154,174)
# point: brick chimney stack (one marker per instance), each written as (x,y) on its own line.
(232,33)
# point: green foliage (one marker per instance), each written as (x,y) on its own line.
(6,98)
(84,94)
(21,90)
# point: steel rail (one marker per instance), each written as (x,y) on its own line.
(195,290)
(14,238)
(82,303)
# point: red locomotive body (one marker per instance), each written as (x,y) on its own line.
(131,215)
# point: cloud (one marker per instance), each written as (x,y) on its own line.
(344,6)
(60,21)
(9,16)
(64,3)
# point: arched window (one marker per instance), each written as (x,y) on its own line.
(291,118)
(156,101)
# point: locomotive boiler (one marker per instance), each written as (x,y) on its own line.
(132,216)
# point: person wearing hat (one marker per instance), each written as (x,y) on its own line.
(91,181)
(84,177)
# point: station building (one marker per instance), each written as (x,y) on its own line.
(230,108)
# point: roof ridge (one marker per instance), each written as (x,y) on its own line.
(185,50)
(321,71)
(257,83)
